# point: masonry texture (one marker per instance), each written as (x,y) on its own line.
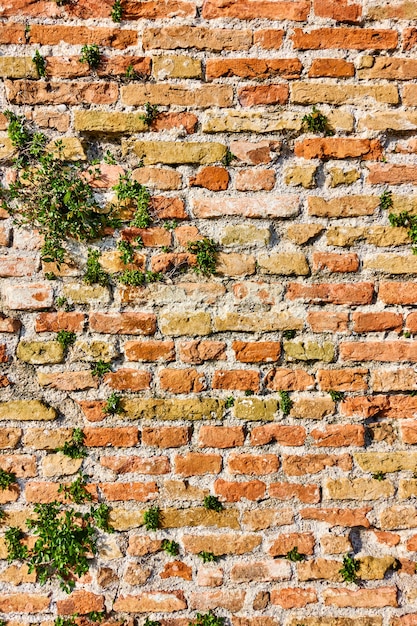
(201,362)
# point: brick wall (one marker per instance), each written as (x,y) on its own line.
(314,293)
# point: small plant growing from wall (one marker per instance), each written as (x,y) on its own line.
(91,55)
(349,569)
(317,122)
(40,64)
(206,251)
(117,11)
(6,479)
(152,518)
(75,448)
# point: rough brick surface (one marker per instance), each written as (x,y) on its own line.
(284,383)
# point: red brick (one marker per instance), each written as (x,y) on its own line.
(289,380)
(213,177)
(240,463)
(197,464)
(368,322)
(150,350)
(125,379)
(123,323)
(257,352)
(379,351)
(253,68)
(309,494)
(398,292)
(338,148)
(263,94)
(182,381)
(93,409)
(80,602)
(241,380)
(322,321)
(234,492)
(221,436)
(343,380)
(54,322)
(345,39)
(165,436)
(198,352)
(168,208)
(338,436)
(75,93)
(391,174)
(285,542)
(365,406)
(341,11)
(254,9)
(121,437)
(293,598)
(335,293)
(334,262)
(140,492)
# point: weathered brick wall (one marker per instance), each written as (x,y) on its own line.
(304,247)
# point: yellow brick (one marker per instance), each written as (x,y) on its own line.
(40,352)
(383,121)
(392,263)
(258,322)
(285,264)
(386,461)
(100,121)
(340,177)
(241,235)
(302,233)
(357,489)
(255,409)
(309,351)
(177,95)
(374,568)
(26,410)
(190,409)
(17,67)
(178,66)
(6,148)
(60,465)
(332,93)
(183,518)
(407,488)
(90,351)
(84,294)
(46,438)
(177,324)
(304,176)
(312,408)
(345,236)
(238,122)
(70,150)
(346,206)
(176,152)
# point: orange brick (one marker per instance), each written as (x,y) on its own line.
(140,492)
(234,492)
(196,464)
(284,435)
(213,177)
(123,323)
(344,293)
(125,379)
(253,68)
(56,93)
(379,351)
(331,68)
(253,9)
(341,11)
(334,262)
(343,380)
(338,148)
(198,352)
(345,39)
(293,598)
(322,321)
(165,436)
(368,322)
(80,602)
(257,352)
(309,494)
(182,381)
(263,94)
(285,542)
(255,180)
(54,322)
(240,463)
(242,380)
(150,350)
(289,380)
(338,436)
(221,436)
